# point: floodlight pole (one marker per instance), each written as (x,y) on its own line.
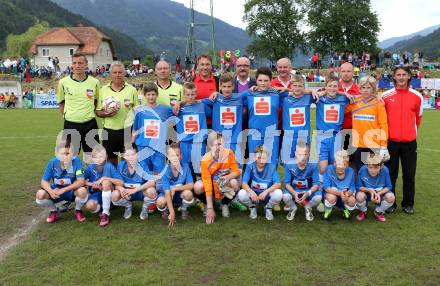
(190,42)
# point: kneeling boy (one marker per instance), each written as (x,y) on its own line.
(177,183)
(65,172)
(374,184)
(302,183)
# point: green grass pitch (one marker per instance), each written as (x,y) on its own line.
(405,250)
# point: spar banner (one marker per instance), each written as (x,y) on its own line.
(46,101)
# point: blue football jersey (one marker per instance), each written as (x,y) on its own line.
(151,126)
(301,180)
(183,177)
(331,180)
(61,178)
(261,181)
(137,178)
(263,108)
(191,125)
(382,180)
(330,112)
(296,114)
(92,173)
(227,115)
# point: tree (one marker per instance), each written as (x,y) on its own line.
(18,45)
(342,25)
(274,26)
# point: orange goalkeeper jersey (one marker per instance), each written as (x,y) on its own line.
(212,169)
(370,126)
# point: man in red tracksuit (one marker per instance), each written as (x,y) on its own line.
(404,111)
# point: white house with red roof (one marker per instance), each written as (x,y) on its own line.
(64,42)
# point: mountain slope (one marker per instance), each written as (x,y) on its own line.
(16,16)
(428,45)
(391,41)
(161,25)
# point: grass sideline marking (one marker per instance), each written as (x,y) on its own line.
(20,235)
(27,137)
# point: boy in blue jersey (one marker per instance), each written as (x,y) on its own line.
(373,183)
(137,184)
(100,178)
(330,110)
(301,183)
(191,127)
(150,129)
(177,185)
(339,186)
(262,105)
(261,183)
(227,114)
(296,119)
(67,177)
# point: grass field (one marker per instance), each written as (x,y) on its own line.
(403,251)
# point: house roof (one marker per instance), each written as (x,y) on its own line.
(87,38)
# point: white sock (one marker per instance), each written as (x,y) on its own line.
(384,205)
(106,201)
(362,206)
(328,206)
(314,202)
(245,199)
(79,203)
(163,209)
(186,204)
(123,203)
(275,198)
(46,204)
(288,201)
(349,208)
(148,202)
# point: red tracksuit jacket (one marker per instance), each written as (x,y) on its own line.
(404,112)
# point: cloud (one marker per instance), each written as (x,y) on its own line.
(397,17)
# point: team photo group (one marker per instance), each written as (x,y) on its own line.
(226,141)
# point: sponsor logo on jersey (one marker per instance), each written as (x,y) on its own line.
(152,128)
(297,116)
(191,124)
(259,185)
(331,113)
(89,93)
(131,185)
(228,115)
(262,105)
(364,117)
(62,181)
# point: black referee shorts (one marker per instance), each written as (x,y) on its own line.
(83,129)
(115,141)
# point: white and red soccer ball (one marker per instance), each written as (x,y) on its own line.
(111,104)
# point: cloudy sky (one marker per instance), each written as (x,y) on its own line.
(396,16)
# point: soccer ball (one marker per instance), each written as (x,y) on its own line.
(111,104)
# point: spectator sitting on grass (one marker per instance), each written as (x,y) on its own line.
(2,100)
